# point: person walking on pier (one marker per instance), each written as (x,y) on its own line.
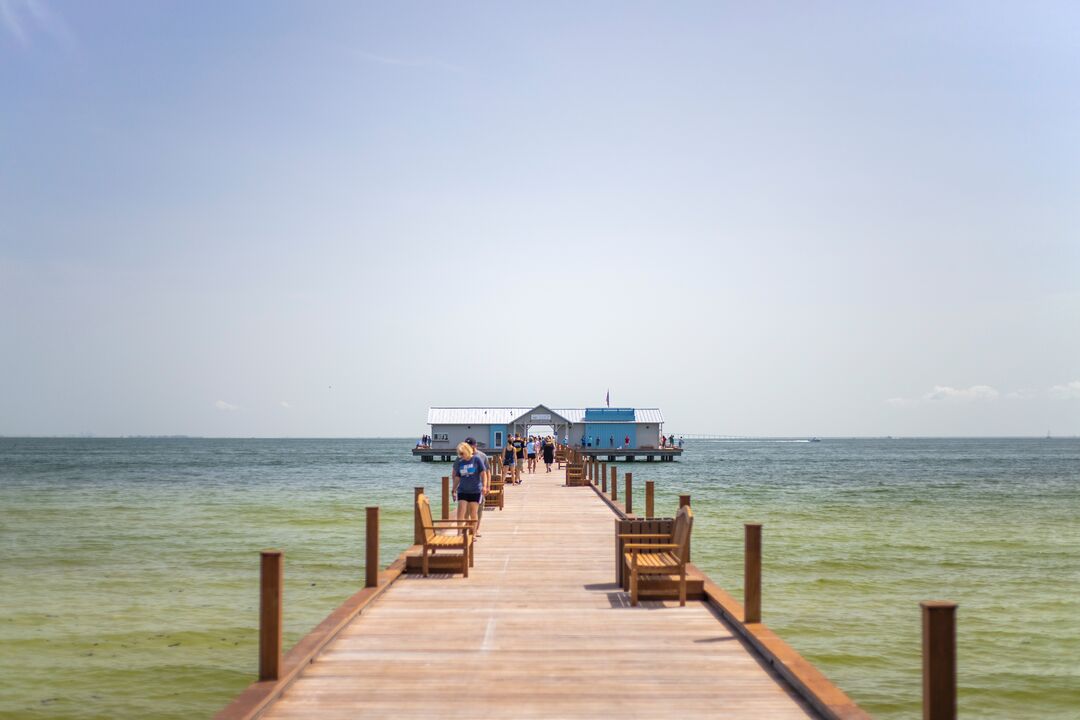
(549,452)
(519,457)
(487,464)
(471,481)
(530,451)
(508,462)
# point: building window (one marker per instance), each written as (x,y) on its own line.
(440,437)
(498,438)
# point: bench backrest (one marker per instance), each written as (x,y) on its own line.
(680,533)
(424,508)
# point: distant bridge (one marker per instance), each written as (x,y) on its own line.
(710,436)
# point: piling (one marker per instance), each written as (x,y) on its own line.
(271,584)
(446,498)
(939,659)
(418,524)
(684,501)
(752,574)
(629,499)
(650,506)
(371,548)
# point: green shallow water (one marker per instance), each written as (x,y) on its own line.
(129,572)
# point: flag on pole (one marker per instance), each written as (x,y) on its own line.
(607,399)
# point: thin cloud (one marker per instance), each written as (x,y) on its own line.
(946,393)
(975,392)
(23,18)
(285,404)
(1068,391)
(227,407)
(9,14)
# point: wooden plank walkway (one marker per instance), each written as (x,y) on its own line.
(539,629)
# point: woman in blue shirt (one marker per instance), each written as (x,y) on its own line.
(530,453)
(471,482)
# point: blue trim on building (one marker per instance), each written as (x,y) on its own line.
(606,414)
(611,435)
(499,429)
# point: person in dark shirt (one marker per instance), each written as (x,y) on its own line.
(519,456)
(508,461)
(487,463)
(549,452)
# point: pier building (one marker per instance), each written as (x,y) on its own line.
(602,431)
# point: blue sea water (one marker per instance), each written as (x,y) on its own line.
(129,566)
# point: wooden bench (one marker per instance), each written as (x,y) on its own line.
(433,541)
(495,495)
(657,549)
(575,475)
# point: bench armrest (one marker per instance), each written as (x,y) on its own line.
(643,546)
(647,536)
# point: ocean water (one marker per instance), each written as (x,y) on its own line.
(129,567)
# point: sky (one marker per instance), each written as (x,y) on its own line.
(263,218)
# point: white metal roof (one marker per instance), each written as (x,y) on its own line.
(473,415)
(648,415)
(502,415)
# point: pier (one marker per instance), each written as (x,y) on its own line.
(543,627)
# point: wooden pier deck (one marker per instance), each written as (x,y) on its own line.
(538,629)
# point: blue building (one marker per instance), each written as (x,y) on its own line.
(600,427)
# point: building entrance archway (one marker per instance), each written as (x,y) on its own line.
(540,430)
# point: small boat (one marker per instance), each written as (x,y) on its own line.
(815,439)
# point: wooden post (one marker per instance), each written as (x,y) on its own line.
(629,501)
(603,482)
(939,659)
(371,548)
(446,498)
(271,583)
(418,524)
(614,488)
(650,506)
(752,574)
(684,500)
